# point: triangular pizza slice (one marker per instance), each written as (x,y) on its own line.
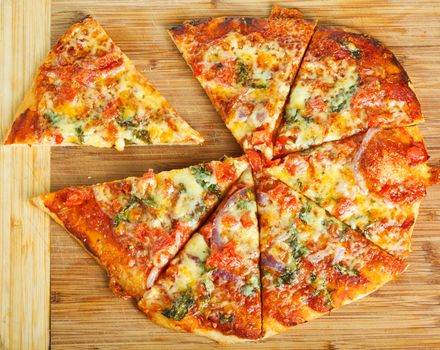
(246,66)
(88,92)
(312,263)
(373,181)
(348,82)
(212,287)
(135,226)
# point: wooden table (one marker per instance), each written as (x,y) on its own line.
(83,312)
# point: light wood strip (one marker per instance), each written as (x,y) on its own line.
(24,172)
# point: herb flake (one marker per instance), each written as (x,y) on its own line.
(180,307)
(345,270)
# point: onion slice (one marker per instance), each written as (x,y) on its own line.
(216,240)
(269,261)
(152,277)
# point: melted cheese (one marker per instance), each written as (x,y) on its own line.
(190,271)
(333,182)
(334,81)
(96,97)
(256,75)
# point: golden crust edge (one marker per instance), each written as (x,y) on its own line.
(219,337)
(275,327)
(29,99)
(39,203)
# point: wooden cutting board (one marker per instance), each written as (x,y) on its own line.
(83,312)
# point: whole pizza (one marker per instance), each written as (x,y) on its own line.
(317,213)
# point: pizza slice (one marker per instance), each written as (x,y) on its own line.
(311,263)
(133,227)
(347,83)
(88,92)
(373,181)
(212,287)
(246,66)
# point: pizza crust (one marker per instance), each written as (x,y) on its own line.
(272,327)
(219,337)
(113,284)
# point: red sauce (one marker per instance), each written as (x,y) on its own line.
(81,214)
(26,128)
(392,152)
(246,220)
(224,172)
(226,259)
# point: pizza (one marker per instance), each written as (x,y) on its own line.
(311,263)
(373,181)
(348,82)
(246,66)
(88,92)
(135,226)
(212,287)
(242,248)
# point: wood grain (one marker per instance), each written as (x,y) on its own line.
(84,314)
(24,172)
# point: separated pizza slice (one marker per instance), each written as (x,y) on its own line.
(246,66)
(133,227)
(348,82)
(373,181)
(212,287)
(311,263)
(88,92)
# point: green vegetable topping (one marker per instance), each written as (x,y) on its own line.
(328,296)
(199,210)
(143,135)
(80,134)
(299,185)
(292,115)
(322,289)
(252,286)
(149,201)
(342,98)
(298,250)
(305,209)
(123,214)
(214,188)
(242,72)
(225,318)
(52,117)
(126,122)
(259,84)
(243,204)
(288,276)
(345,270)
(203,177)
(180,307)
(352,49)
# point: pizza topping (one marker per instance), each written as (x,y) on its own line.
(226,259)
(371,181)
(345,270)
(270,262)
(88,92)
(311,261)
(204,178)
(347,83)
(246,66)
(180,307)
(215,287)
(390,162)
